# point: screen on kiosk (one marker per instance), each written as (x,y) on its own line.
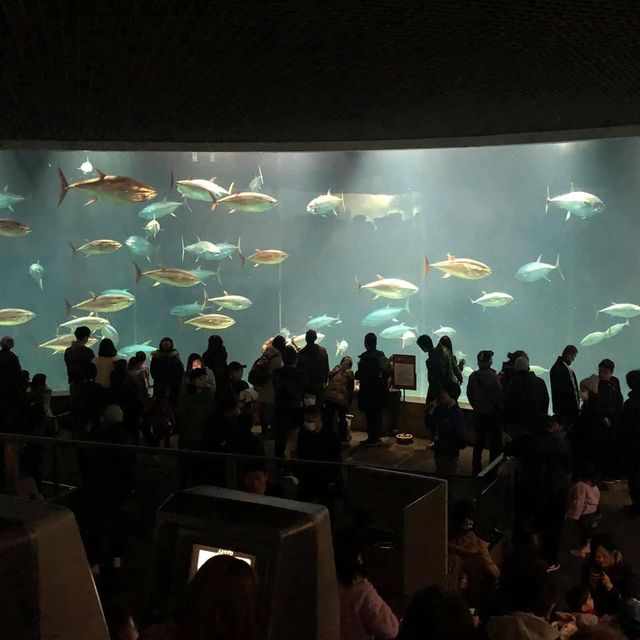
(202,553)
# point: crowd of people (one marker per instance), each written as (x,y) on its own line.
(556,465)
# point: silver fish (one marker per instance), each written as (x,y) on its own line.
(36,271)
(578,203)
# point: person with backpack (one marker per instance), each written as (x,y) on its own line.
(261,377)
(374,371)
(288,383)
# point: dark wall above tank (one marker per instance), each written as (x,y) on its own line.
(276,71)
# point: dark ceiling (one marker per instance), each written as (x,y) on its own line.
(189,72)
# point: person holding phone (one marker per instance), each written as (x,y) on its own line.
(610,579)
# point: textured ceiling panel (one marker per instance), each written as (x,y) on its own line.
(276,71)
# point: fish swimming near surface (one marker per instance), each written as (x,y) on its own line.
(267,256)
(36,271)
(202,190)
(13,229)
(320,322)
(92,321)
(131,349)
(109,331)
(248,201)
(200,249)
(14,317)
(113,188)
(538,270)
(493,300)
(396,331)
(393,288)
(464,268)
(108,301)
(407,338)
(7,199)
(228,301)
(160,209)
(96,248)
(381,316)
(593,338)
(152,228)
(615,329)
(169,276)
(341,347)
(186,310)
(325,204)
(211,321)
(139,246)
(577,203)
(258,182)
(624,310)
(445,331)
(539,371)
(63,342)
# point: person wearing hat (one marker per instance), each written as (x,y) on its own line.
(565,393)
(485,395)
(527,399)
(236,371)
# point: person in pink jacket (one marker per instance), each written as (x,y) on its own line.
(364,615)
(584,501)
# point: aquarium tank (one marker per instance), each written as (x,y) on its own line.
(529,246)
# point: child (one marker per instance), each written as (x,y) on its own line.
(449,428)
(584,499)
(580,605)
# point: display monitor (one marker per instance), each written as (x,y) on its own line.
(202,553)
(287,543)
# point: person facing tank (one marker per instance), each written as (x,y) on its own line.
(373,373)
(313,360)
(527,401)
(78,356)
(167,371)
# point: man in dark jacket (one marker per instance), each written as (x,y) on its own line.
(527,400)
(609,404)
(314,362)
(373,373)
(631,440)
(564,386)
(78,356)
(449,425)
(10,376)
(289,387)
(487,399)
(167,371)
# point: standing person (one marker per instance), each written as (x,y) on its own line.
(195,410)
(565,392)
(261,377)
(507,372)
(194,361)
(107,356)
(630,434)
(584,501)
(313,360)
(542,485)
(167,371)
(10,378)
(235,376)
(139,375)
(373,373)
(527,400)
(609,404)
(215,359)
(288,384)
(487,399)
(78,356)
(339,396)
(449,426)
(456,367)
(433,388)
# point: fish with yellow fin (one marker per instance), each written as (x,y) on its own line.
(114,188)
(464,268)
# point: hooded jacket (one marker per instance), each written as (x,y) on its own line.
(167,372)
(485,392)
